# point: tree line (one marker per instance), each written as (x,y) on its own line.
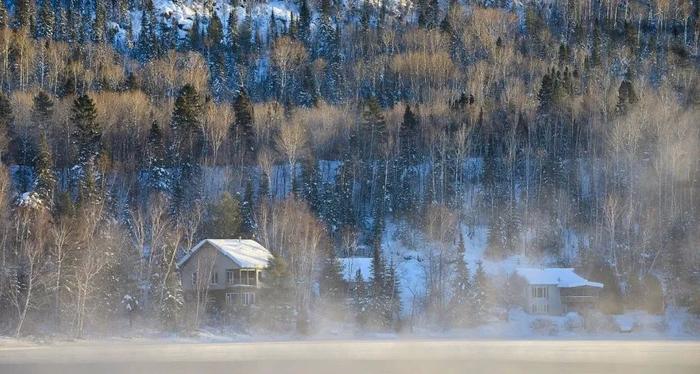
(546,124)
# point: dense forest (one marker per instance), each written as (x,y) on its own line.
(132,129)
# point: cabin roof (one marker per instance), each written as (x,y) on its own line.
(246,253)
(560,277)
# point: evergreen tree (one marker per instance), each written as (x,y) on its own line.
(217,69)
(215,33)
(373,128)
(185,124)
(304,31)
(187,147)
(88,133)
(248,225)
(242,130)
(23,15)
(168,34)
(224,218)
(404,197)
(69,33)
(276,310)
(308,94)
(610,300)
(392,286)
(59,22)
(84,16)
(6,125)
(626,95)
(380,306)
(170,296)
(194,35)
(480,296)
(423,13)
(595,59)
(462,307)
(272,29)
(45,182)
(4,18)
(173,302)
(42,110)
(46,20)
(653,298)
(332,285)
(342,212)
(232,32)
(433,13)
(326,32)
(89,191)
(333,83)
(64,206)
(99,26)
(147,45)
(245,38)
(158,174)
(309,186)
(378,269)
(496,239)
(360,298)
(546,93)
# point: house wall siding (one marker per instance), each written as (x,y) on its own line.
(221,264)
(552,304)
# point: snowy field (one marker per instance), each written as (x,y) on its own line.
(346,356)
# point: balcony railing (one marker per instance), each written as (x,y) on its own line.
(580,299)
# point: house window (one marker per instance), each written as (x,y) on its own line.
(231,298)
(540,292)
(248,298)
(194,279)
(240,298)
(247,277)
(252,278)
(214,278)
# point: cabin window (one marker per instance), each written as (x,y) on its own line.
(214,278)
(231,298)
(240,298)
(243,277)
(540,292)
(247,298)
(236,277)
(539,308)
(231,276)
(249,277)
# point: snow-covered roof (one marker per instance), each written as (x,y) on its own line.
(246,253)
(352,264)
(560,277)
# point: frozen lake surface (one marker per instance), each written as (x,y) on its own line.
(357,356)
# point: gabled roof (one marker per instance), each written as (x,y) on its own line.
(560,277)
(246,253)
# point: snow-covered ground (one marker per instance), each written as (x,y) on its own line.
(410,256)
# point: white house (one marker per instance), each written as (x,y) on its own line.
(228,271)
(557,290)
